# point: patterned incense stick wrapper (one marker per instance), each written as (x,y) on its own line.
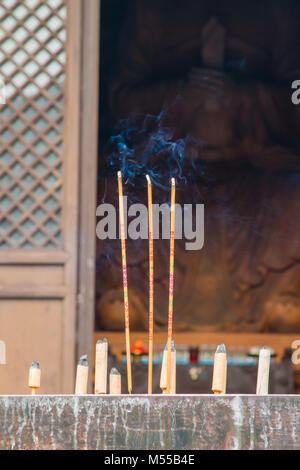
(151,293)
(171,293)
(125,285)
(151,283)
(171,284)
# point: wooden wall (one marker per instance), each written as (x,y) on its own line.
(42,179)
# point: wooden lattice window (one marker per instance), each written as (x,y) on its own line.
(32,65)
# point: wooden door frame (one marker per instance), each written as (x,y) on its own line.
(83,85)
(71,181)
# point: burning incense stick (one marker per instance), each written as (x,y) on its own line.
(82,376)
(114,382)
(220,370)
(125,286)
(262,386)
(171,284)
(163,374)
(101,367)
(34,379)
(151,285)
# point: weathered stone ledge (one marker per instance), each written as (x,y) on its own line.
(150,422)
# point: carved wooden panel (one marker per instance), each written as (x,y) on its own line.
(39,337)
(32,64)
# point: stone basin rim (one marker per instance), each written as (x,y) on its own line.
(161,396)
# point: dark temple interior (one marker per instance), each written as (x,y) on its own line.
(201,91)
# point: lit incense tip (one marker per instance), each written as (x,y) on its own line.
(265,351)
(35,364)
(173,181)
(172,346)
(221,349)
(83,361)
(101,344)
(119,174)
(100,341)
(148,179)
(115,371)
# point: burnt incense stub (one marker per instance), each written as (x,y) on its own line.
(220,370)
(100,382)
(115,380)
(34,379)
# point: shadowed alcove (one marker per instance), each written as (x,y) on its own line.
(201,91)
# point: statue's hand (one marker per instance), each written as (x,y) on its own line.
(213,87)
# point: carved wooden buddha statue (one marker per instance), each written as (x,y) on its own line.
(225,69)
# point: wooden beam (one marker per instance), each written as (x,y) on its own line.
(23,257)
(37,292)
(88,177)
(71,182)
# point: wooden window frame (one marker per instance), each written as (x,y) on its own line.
(88,90)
